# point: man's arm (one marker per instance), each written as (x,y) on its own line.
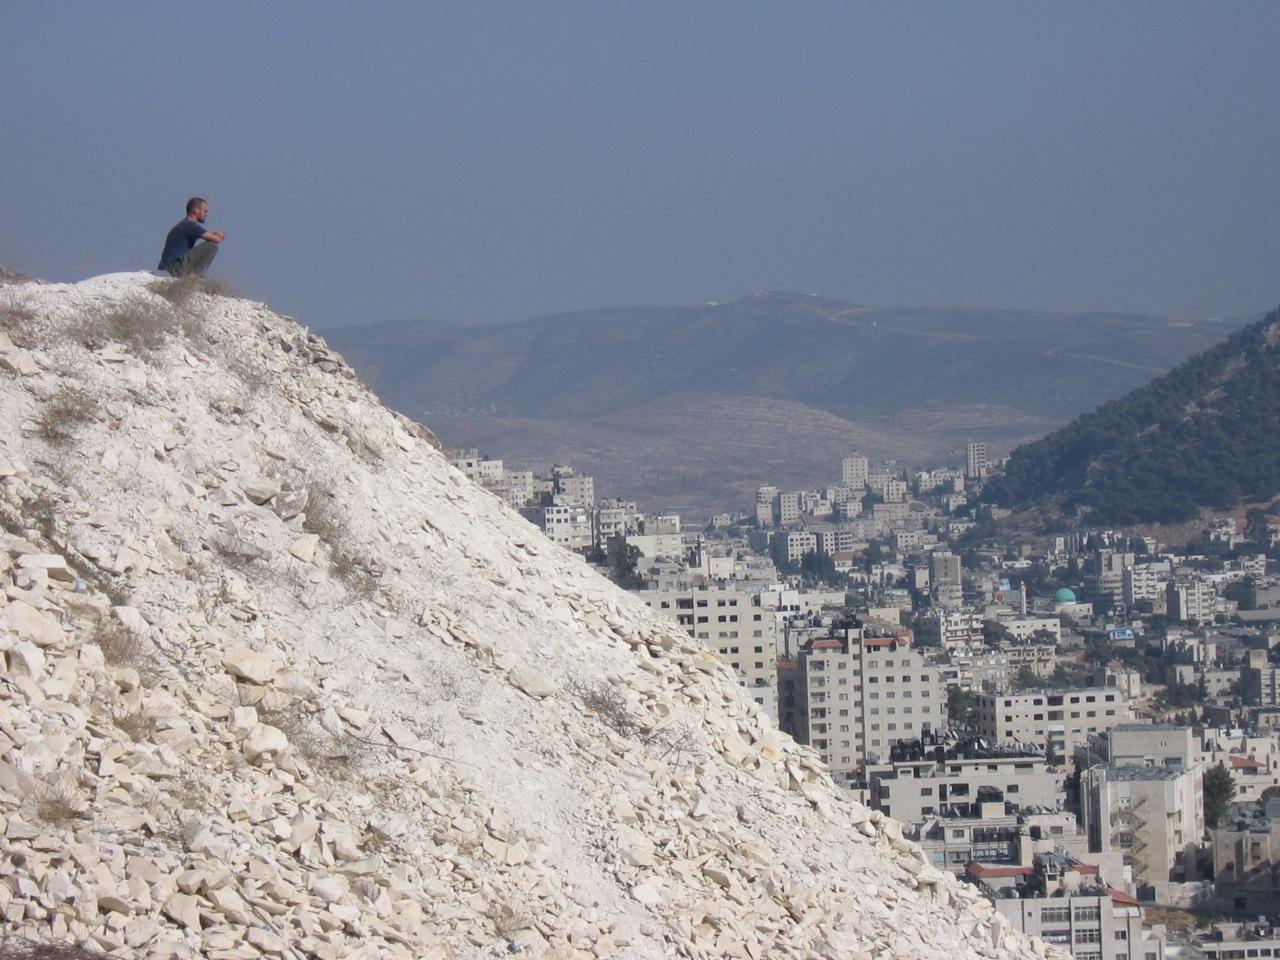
(213,236)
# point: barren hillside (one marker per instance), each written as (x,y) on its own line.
(277,681)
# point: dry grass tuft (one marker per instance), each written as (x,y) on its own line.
(21,948)
(18,321)
(58,805)
(607,701)
(140,727)
(324,518)
(508,922)
(333,756)
(68,410)
(143,324)
(119,646)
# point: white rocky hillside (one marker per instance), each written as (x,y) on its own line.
(277,680)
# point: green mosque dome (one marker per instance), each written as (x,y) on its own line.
(1065,595)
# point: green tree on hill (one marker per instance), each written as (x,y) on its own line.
(1219,791)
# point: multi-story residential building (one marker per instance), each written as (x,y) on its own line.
(573,487)
(614,518)
(797,543)
(975,460)
(1104,585)
(1145,745)
(1253,759)
(732,623)
(905,541)
(1261,680)
(766,497)
(475,467)
(1191,598)
(854,471)
(1155,815)
(788,508)
(945,567)
(1236,941)
(516,487)
(1055,720)
(895,490)
(996,837)
(1024,628)
(835,538)
(568,524)
(1066,903)
(853,695)
(1246,859)
(961,780)
(957,630)
(1144,583)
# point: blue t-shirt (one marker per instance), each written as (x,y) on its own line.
(180,241)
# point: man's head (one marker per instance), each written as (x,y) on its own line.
(197,209)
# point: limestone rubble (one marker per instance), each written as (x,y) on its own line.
(279,682)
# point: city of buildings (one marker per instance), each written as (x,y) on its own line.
(1051,720)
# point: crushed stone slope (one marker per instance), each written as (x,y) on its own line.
(278,681)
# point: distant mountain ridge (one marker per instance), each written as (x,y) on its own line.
(1207,434)
(615,388)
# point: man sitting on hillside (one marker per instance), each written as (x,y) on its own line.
(181,254)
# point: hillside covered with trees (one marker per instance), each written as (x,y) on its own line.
(1203,435)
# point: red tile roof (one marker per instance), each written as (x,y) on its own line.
(1245,763)
(1120,897)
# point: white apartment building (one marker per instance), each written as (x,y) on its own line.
(833,539)
(854,471)
(765,497)
(1054,720)
(975,459)
(569,524)
(788,508)
(1023,628)
(956,630)
(1145,583)
(1068,904)
(962,780)
(516,487)
(798,543)
(895,490)
(852,697)
(732,623)
(1191,598)
(573,487)
(1154,815)
(945,567)
(614,518)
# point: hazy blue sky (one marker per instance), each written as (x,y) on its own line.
(483,161)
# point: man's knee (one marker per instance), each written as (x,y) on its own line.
(197,261)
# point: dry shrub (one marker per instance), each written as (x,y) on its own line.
(508,921)
(331,755)
(18,320)
(21,948)
(324,518)
(69,409)
(607,701)
(58,804)
(119,646)
(140,727)
(143,324)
